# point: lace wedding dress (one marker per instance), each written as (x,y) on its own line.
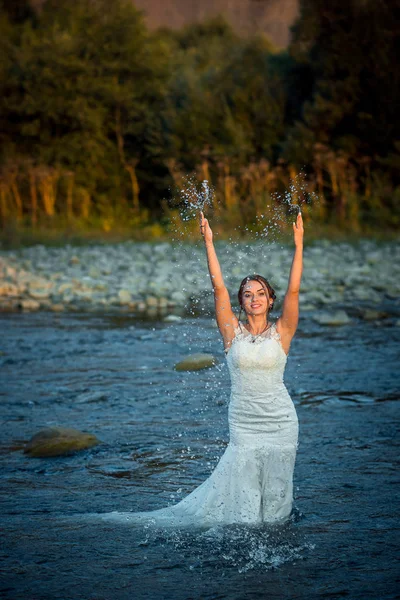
(253,481)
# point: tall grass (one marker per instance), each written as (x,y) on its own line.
(334,192)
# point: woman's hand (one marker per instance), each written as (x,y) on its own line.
(298,230)
(205,229)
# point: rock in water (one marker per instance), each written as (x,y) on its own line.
(172,318)
(195,362)
(59,441)
(373,315)
(339,317)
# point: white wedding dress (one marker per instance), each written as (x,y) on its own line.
(253,481)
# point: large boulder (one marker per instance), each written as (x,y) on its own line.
(59,441)
(195,362)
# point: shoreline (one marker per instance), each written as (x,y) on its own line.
(165,277)
(18,238)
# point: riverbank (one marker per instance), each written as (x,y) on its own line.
(160,278)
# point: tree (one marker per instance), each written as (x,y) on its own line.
(80,87)
(347,53)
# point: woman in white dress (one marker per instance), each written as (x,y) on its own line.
(253,481)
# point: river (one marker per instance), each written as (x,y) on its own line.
(162,434)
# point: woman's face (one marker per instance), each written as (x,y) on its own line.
(255,299)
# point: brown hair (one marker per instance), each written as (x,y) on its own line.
(264,283)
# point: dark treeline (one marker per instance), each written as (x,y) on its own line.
(100,118)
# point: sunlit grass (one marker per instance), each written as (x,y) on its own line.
(17,236)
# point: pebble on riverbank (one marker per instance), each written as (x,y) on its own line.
(59,441)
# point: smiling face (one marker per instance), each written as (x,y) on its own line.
(255,298)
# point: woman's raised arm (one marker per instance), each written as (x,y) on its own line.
(287,323)
(226,319)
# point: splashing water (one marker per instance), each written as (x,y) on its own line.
(194,197)
(285,207)
(242,547)
(252,245)
(280,209)
(297,194)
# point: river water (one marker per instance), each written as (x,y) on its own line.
(162,434)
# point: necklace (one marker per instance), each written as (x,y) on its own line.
(256,336)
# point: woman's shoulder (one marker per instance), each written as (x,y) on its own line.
(275,332)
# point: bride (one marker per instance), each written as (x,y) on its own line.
(253,481)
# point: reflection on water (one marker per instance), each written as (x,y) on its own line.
(162,434)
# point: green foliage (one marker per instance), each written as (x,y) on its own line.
(80,90)
(223,94)
(348,53)
(99,117)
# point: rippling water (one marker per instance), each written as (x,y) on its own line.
(163,433)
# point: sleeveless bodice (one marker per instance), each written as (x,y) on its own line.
(260,406)
(256,363)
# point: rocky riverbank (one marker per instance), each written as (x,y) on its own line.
(164,278)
